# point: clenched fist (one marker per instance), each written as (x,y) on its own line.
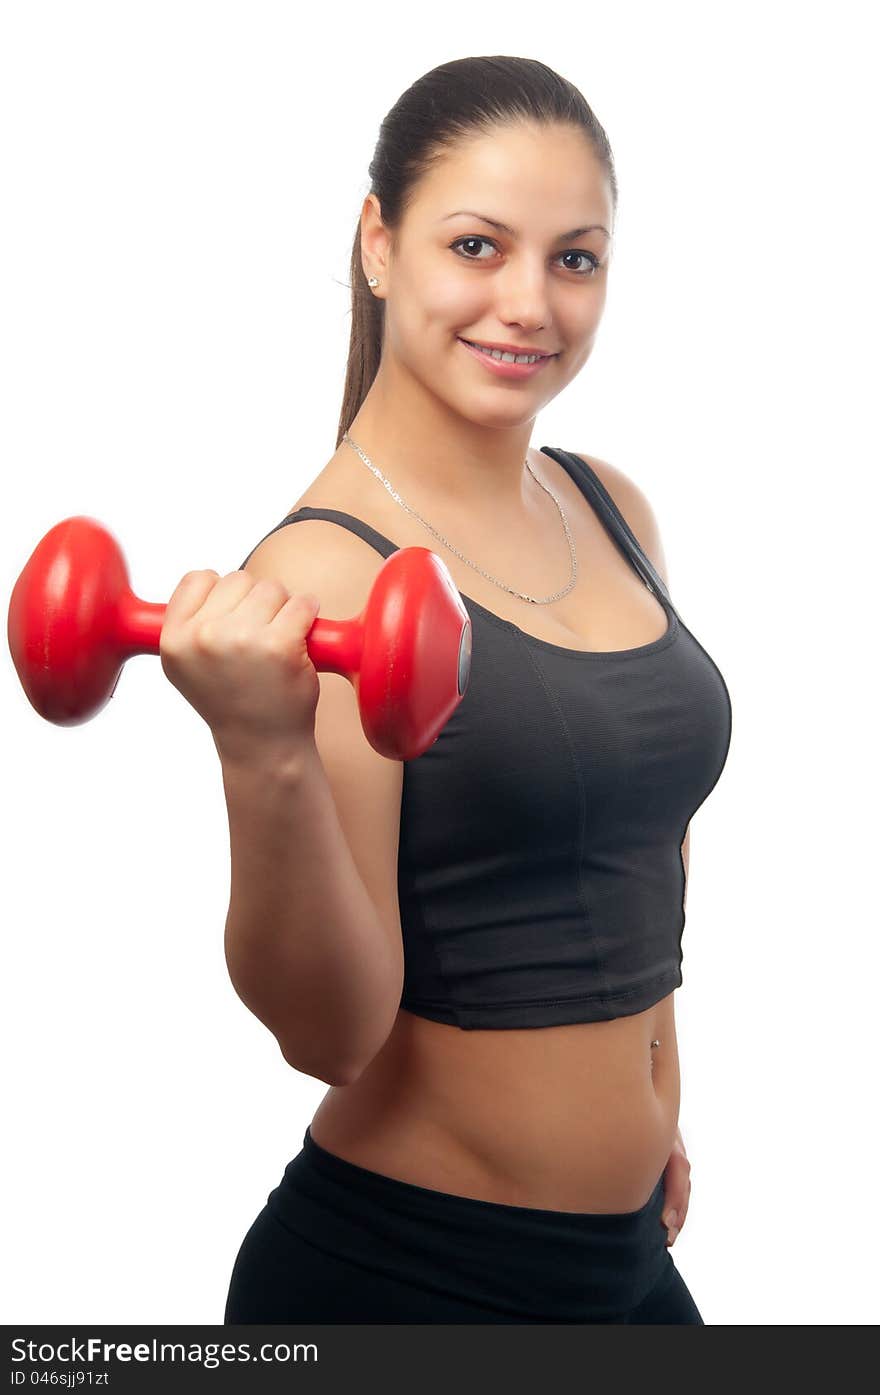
(235,647)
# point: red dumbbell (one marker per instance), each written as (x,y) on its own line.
(74,620)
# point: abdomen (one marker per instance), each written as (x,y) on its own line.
(579,1117)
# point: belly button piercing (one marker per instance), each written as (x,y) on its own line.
(655,1042)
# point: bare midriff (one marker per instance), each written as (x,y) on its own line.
(574,1118)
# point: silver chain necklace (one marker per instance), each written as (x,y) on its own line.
(446,543)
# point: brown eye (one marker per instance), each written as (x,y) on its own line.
(461,242)
(593,261)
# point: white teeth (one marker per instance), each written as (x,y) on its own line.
(506,357)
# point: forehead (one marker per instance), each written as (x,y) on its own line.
(534,174)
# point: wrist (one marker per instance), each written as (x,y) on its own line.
(287,763)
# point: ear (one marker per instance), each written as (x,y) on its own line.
(636,509)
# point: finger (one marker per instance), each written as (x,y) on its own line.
(188,596)
(674,1214)
(297,616)
(672,1204)
(227,593)
(683,1209)
(262,602)
(676,1184)
(671,1214)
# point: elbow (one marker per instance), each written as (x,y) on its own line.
(335,1074)
(343,1075)
(346,1077)
(342,1070)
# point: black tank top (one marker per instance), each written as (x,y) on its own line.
(540,876)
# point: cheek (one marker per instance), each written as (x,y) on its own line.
(579,323)
(584,336)
(440,299)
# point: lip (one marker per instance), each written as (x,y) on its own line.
(508,370)
(508,348)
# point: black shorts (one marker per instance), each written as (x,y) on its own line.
(337,1243)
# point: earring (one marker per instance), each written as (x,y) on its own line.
(373,281)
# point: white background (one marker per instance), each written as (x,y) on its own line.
(181,184)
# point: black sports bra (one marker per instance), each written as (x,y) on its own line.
(540,876)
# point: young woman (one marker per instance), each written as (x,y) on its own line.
(478,949)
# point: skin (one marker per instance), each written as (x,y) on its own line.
(581,1117)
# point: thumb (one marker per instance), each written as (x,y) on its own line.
(312,605)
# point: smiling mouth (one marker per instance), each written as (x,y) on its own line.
(506,355)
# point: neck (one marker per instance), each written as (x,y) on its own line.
(423,448)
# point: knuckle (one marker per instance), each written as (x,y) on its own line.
(238,641)
(272,589)
(205,638)
(275,644)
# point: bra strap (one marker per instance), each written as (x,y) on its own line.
(584,474)
(345,520)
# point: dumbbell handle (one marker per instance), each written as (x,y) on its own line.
(334,646)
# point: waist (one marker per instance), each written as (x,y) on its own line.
(575,1118)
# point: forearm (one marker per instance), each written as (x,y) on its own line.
(305,947)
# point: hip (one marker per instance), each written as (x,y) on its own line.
(340,1243)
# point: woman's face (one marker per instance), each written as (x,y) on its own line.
(451,275)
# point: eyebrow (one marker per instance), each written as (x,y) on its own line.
(502,227)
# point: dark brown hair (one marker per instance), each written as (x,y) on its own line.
(466,97)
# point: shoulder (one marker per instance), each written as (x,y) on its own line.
(318,555)
(635,507)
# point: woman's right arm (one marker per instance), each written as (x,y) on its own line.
(312,939)
(305,948)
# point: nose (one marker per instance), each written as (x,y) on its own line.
(522,296)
